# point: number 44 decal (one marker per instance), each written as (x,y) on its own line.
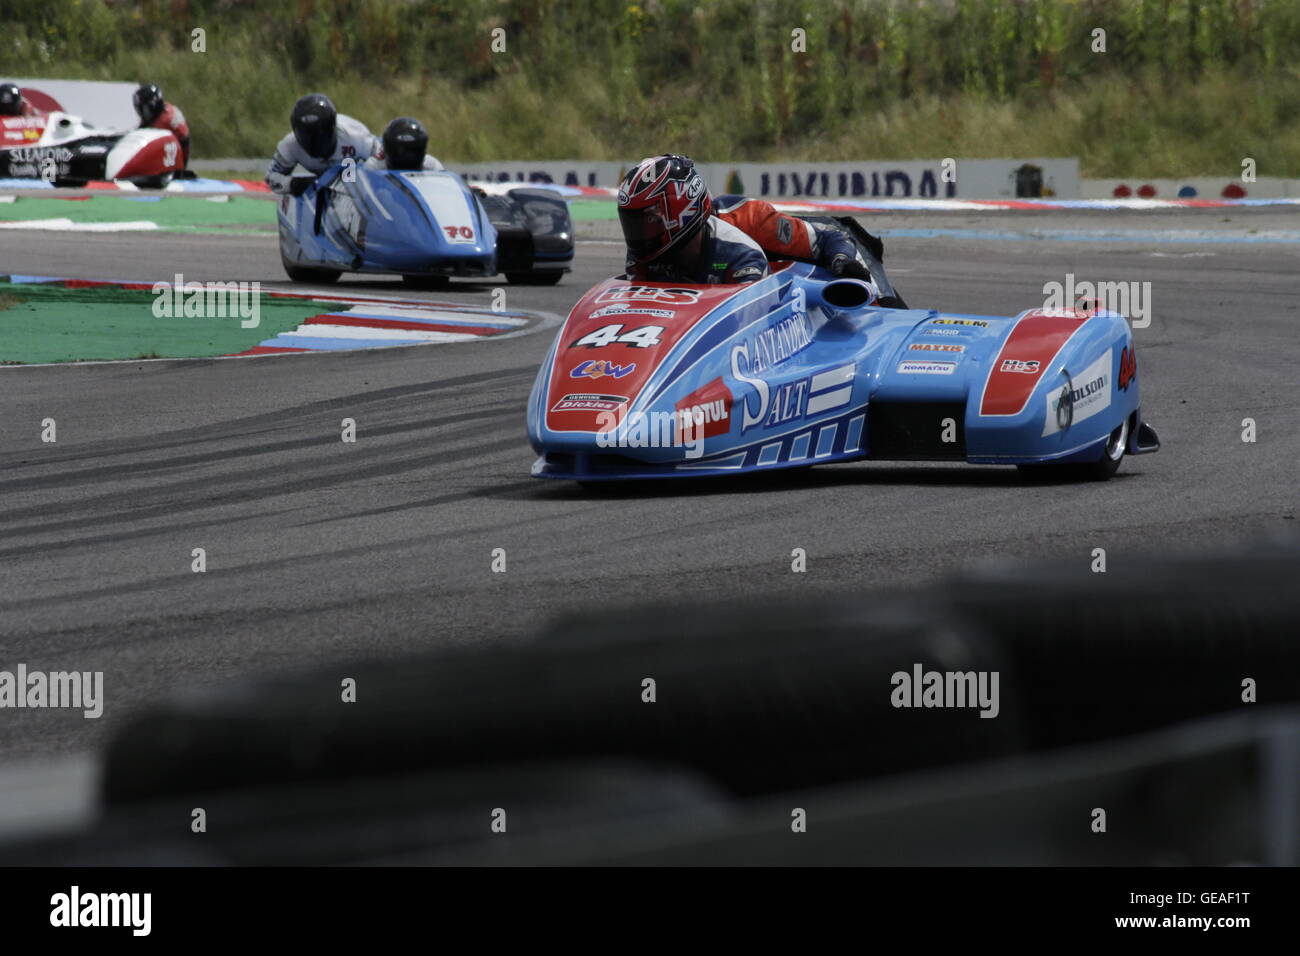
(1128,367)
(642,337)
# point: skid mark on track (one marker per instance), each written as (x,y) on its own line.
(321,439)
(402,395)
(196,495)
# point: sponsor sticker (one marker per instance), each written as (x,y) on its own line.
(1029,367)
(786,402)
(707,409)
(917,367)
(37,154)
(774,345)
(632,309)
(1065,406)
(21,129)
(1062,313)
(589,403)
(942,332)
(599,368)
(935,347)
(1082,398)
(979,323)
(646,293)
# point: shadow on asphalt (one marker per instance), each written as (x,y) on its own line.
(864,475)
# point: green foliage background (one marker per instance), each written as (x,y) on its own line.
(1185,86)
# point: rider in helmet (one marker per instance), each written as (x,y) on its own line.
(403,147)
(785,237)
(12,101)
(321,137)
(156,113)
(736,220)
(671,232)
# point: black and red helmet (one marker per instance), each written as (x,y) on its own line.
(662,203)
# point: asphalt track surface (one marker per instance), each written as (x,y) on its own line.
(321,552)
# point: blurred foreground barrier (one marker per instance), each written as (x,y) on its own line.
(983,718)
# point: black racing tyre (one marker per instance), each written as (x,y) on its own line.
(1100,470)
(1111,455)
(426,282)
(548,277)
(313,275)
(154,182)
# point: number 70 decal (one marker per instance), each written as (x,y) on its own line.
(642,337)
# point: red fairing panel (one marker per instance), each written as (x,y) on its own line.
(161,155)
(614,339)
(1031,347)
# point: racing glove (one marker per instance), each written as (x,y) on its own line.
(299,184)
(846,267)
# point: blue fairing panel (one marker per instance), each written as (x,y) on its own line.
(648,380)
(364,220)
